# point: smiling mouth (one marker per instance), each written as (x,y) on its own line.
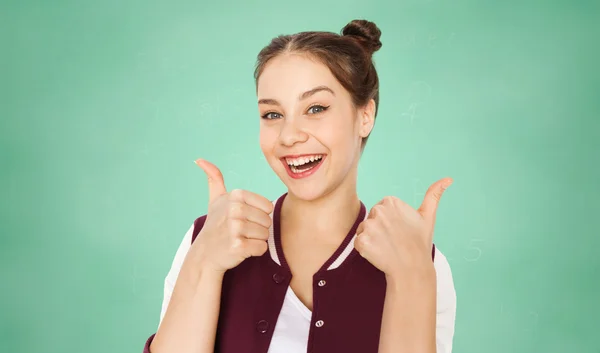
(305,163)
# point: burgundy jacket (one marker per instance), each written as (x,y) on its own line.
(348,299)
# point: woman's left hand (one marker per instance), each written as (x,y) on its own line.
(395,237)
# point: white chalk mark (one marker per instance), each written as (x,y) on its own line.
(418,94)
(411,113)
(472,247)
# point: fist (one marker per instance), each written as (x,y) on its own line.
(395,237)
(236,227)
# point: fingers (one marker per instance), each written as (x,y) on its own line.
(360,228)
(244,211)
(249,230)
(255,200)
(216,188)
(362,239)
(249,247)
(432,198)
(254,247)
(249,221)
(216,184)
(375,210)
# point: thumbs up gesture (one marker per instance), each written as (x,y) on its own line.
(237,223)
(395,237)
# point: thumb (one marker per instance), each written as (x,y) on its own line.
(216,184)
(432,199)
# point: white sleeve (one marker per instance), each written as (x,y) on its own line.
(446,304)
(174,271)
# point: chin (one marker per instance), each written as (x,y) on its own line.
(304,189)
(306,192)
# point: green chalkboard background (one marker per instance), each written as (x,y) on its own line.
(105,105)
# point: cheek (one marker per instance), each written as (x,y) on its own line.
(345,141)
(340,140)
(267,139)
(344,133)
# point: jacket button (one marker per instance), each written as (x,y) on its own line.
(322,283)
(278,278)
(319,323)
(262,326)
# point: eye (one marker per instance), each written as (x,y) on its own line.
(271,116)
(315,109)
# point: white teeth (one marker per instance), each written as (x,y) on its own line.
(295,162)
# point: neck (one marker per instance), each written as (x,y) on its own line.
(332,215)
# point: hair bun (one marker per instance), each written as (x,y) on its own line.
(366,31)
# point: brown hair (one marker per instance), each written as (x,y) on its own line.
(347,55)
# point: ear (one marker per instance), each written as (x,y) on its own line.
(366,116)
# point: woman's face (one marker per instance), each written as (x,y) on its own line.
(310,132)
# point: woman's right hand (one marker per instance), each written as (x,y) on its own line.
(236,227)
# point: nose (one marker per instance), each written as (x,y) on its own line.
(291,132)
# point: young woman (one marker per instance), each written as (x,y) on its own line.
(311,271)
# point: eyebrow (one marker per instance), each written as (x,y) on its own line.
(302,96)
